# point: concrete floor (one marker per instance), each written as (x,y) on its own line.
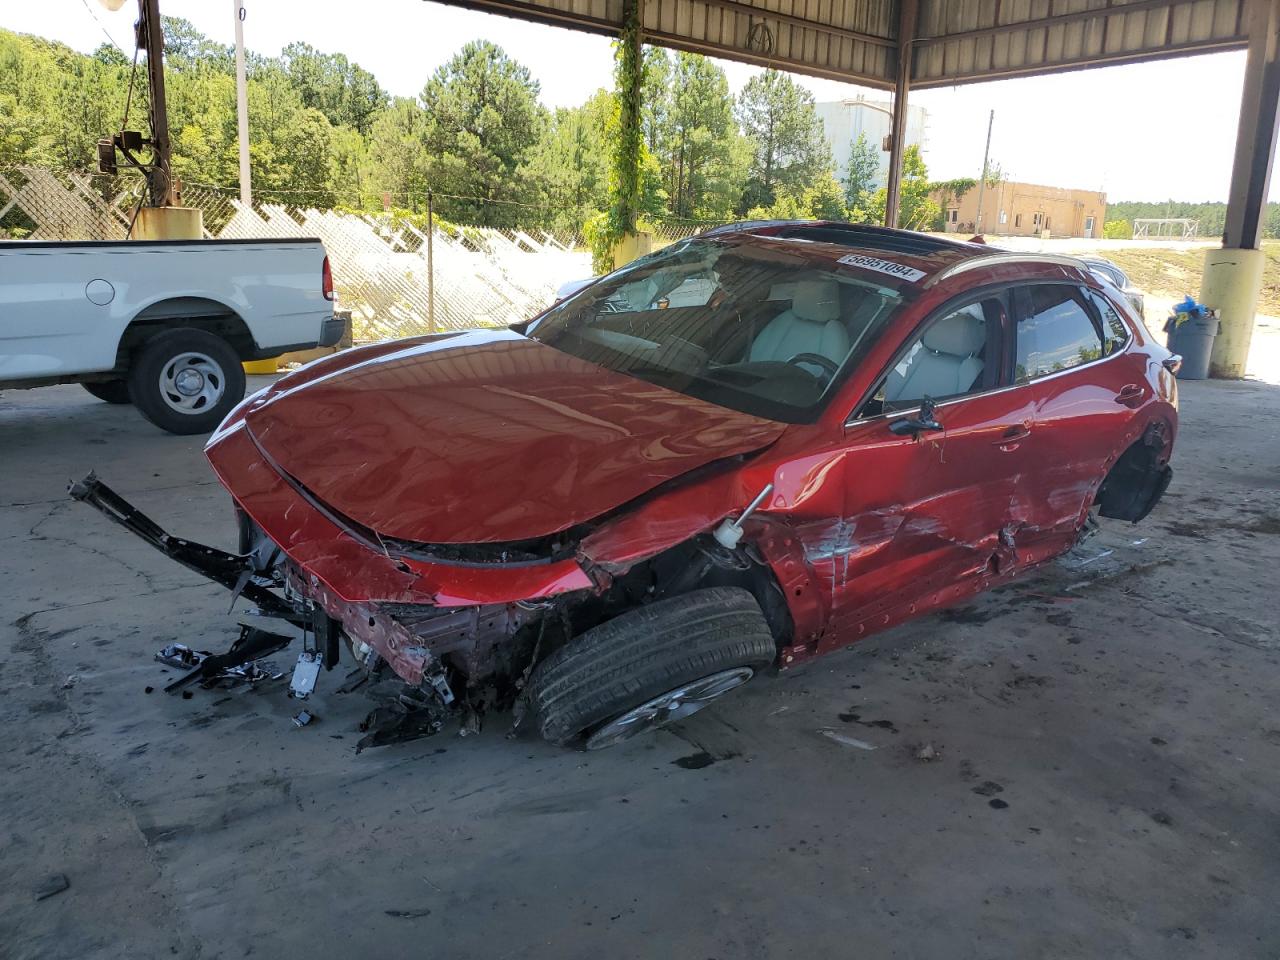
(1107,785)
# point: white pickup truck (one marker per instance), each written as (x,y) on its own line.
(163,325)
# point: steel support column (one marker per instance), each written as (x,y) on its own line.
(907,15)
(1233,275)
(1256,136)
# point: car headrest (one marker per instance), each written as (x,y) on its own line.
(963,334)
(639,294)
(816,300)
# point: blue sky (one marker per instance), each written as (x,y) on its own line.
(1140,132)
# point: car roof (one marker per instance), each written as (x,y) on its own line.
(935,257)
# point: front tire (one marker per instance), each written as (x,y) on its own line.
(649,667)
(111,391)
(186,381)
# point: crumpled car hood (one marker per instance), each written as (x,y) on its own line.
(484,437)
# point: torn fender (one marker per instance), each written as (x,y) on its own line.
(677,516)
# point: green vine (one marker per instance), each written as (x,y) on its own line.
(625,182)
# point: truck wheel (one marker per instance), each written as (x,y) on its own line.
(112,391)
(186,380)
(649,667)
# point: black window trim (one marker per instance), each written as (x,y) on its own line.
(1102,324)
(1018,289)
(1002,291)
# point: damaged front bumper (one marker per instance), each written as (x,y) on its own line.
(413,640)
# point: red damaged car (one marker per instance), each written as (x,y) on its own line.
(756,446)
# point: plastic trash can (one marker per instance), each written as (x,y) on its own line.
(1192,329)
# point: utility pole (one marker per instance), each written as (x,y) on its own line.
(151,38)
(431,265)
(242,105)
(982,183)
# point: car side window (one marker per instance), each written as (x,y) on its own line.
(1114,332)
(1055,332)
(951,357)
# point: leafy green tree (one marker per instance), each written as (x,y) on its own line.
(702,166)
(397,161)
(482,120)
(789,149)
(569,166)
(917,210)
(657,93)
(994,173)
(346,93)
(864,170)
(823,200)
(186,48)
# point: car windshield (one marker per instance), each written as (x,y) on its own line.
(750,326)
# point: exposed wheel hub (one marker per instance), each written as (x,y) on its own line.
(683,701)
(189,382)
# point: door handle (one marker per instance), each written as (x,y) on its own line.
(1130,395)
(1012,436)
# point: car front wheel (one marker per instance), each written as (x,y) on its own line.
(186,381)
(649,667)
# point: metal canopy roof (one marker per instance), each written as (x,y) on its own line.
(947,41)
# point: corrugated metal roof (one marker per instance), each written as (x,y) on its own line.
(970,40)
(956,41)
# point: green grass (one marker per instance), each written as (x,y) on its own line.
(1176,273)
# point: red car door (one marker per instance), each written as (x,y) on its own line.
(924,510)
(1069,352)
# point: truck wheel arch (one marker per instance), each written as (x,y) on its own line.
(202,313)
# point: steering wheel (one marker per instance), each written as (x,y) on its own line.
(828,365)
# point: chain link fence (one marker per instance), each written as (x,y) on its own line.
(395,278)
(480,276)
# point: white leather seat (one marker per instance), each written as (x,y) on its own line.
(947,362)
(812,325)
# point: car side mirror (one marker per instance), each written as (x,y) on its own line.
(923,421)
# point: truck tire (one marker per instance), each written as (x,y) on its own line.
(649,667)
(186,380)
(112,391)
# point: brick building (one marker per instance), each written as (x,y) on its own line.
(1026,209)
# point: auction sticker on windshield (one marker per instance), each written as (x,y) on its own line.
(882,266)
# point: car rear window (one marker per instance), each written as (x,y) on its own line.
(1055,332)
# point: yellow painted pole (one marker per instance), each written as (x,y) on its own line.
(1230,285)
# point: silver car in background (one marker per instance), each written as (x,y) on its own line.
(1118,279)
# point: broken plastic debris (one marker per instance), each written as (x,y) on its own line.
(181,656)
(305,675)
(846,740)
(927,753)
(251,672)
